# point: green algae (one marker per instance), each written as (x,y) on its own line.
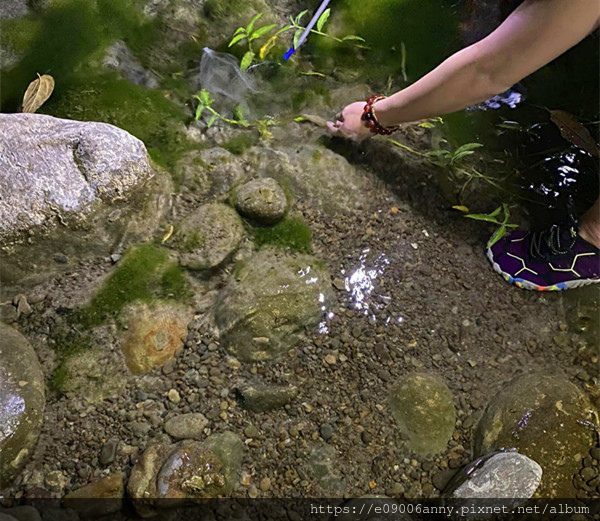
(292,233)
(69,40)
(145,273)
(427,28)
(239,144)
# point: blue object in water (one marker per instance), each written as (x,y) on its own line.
(309,27)
(287,55)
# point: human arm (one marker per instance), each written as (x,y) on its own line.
(533,35)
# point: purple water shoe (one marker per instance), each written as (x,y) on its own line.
(549,260)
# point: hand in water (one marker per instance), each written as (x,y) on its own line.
(349,124)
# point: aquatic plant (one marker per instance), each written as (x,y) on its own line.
(492,217)
(205,102)
(250,34)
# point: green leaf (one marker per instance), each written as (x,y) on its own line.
(284,29)
(247,60)
(263,30)
(467,146)
(297,37)
(199,111)
(300,119)
(237,38)
(482,217)
(211,120)
(299,17)
(464,153)
(353,37)
(323,19)
(499,233)
(250,26)
(205,98)
(238,113)
(426,124)
(239,30)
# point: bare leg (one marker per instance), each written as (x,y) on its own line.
(589,225)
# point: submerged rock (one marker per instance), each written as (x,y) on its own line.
(98,499)
(119,58)
(209,236)
(210,172)
(269,302)
(22,400)
(546,418)
(71,188)
(261,200)
(324,467)
(154,336)
(185,472)
(424,410)
(261,398)
(93,373)
(186,426)
(314,173)
(503,475)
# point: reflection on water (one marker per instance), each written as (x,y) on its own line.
(361,283)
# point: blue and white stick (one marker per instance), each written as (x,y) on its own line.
(306,32)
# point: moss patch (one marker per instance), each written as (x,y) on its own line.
(239,144)
(145,273)
(292,233)
(69,40)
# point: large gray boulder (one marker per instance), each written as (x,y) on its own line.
(270,301)
(21,401)
(71,188)
(546,418)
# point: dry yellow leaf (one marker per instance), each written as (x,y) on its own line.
(38,92)
(394,209)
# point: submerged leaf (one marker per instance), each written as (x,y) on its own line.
(460,208)
(262,30)
(323,19)
(574,132)
(297,36)
(247,60)
(38,91)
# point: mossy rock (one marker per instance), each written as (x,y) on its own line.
(22,400)
(87,187)
(546,418)
(94,374)
(292,233)
(145,273)
(186,472)
(262,200)
(326,179)
(423,408)
(270,301)
(208,237)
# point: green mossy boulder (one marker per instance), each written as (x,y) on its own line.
(262,200)
(271,299)
(71,188)
(22,400)
(423,408)
(208,237)
(546,418)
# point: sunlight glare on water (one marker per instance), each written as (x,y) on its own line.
(362,281)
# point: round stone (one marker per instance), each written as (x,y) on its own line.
(546,418)
(22,401)
(262,200)
(208,237)
(424,410)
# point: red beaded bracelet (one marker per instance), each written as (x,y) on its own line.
(370,119)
